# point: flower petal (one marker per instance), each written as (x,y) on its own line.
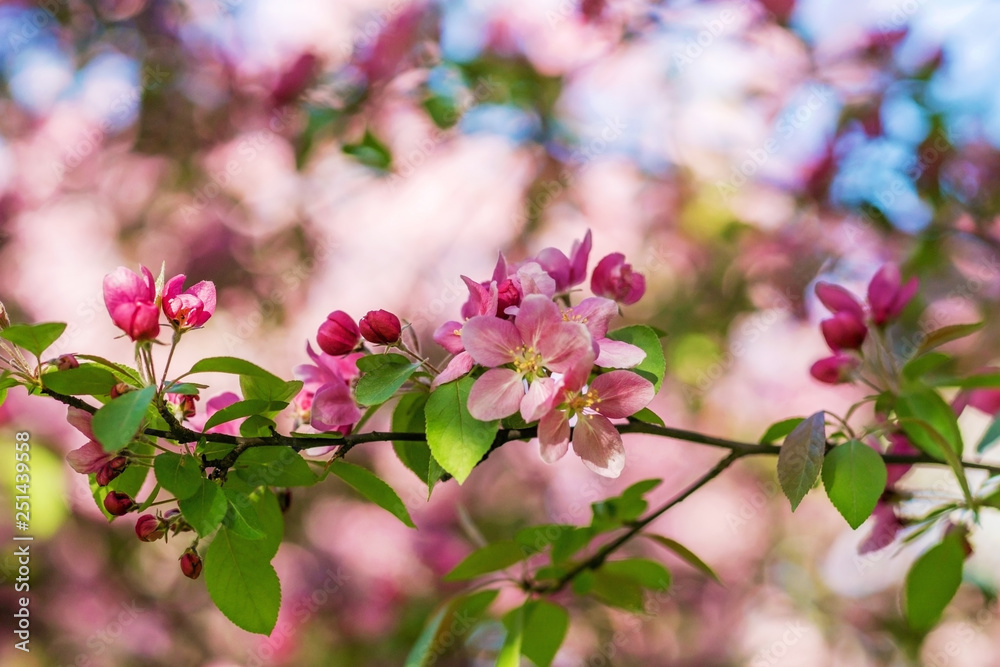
(538,400)
(837,299)
(565,346)
(334,406)
(599,444)
(80,420)
(579,254)
(553,436)
(496,394)
(449,336)
(618,354)
(621,393)
(88,459)
(595,313)
(490,340)
(460,365)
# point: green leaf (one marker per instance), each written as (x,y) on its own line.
(408,417)
(654,366)
(457,440)
(205,508)
(978,381)
(545,626)
(274,466)
(932,582)
(779,430)
(919,366)
(990,437)
(647,573)
(648,416)
(613,590)
(231,365)
(180,475)
(571,542)
(854,476)
(684,554)
(116,423)
(241,517)
(85,380)
(926,405)
(124,373)
(183,388)
(242,582)
(434,474)
(535,539)
(35,338)
(257,426)
(370,152)
(240,409)
(492,557)
(454,619)
(800,458)
(381,376)
(947,334)
(272,389)
(371,487)
(510,652)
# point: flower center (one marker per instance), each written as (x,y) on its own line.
(570,316)
(528,361)
(579,402)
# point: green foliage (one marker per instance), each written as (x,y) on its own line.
(180,475)
(381,376)
(408,417)
(35,338)
(124,373)
(371,487)
(274,466)
(854,476)
(932,582)
(684,554)
(129,482)
(990,437)
(242,516)
(241,409)
(492,557)
(457,440)
(230,365)
(205,508)
(646,573)
(544,629)
(117,422)
(939,337)
(370,151)
(85,380)
(654,366)
(630,505)
(510,652)
(922,413)
(800,458)
(779,430)
(242,582)
(447,625)
(648,416)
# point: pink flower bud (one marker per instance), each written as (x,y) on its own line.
(839,300)
(191,308)
(614,279)
(844,331)
(131,302)
(118,503)
(111,470)
(191,563)
(507,295)
(887,296)
(338,334)
(380,327)
(148,528)
(66,361)
(836,369)
(119,389)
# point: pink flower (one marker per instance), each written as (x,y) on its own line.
(189,309)
(614,279)
(213,405)
(839,300)
(567,271)
(613,395)
(836,369)
(338,334)
(537,341)
(131,302)
(844,331)
(887,296)
(595,313)
(326,400)
(380,327)
(483,301)
(89,459)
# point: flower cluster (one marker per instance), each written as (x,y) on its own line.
(848,327)
(134,303)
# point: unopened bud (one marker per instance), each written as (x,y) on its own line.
(148,528)
(66,361)
(4,320)
(380,327)
(119,389)
(338,334)
(118,503)
(110,470)
(191,563)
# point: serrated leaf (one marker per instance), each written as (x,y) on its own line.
(241,516)
(779,430)
(801,457)
(126,374)
(492,557)
(408,417)
(545,627)
(271,389)
(922,404)
(205,508)
(947,334)
(85,380)
(457,440)
(371,487)
(854,476)
(440,632)
(241,409)
(180,475)
(35,338)
(654,366)
(274,466)
(932,582)
(684,554)
(117,422)
(242,582)
(381,376)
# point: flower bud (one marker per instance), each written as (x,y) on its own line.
(119,389)
(614,279)
(338,334)
(836,369)
(118,503)
(380,327)
(844,331)
(887,296)
(110,470)
(284,498)
(839,300)
(507,295)
(66,361)
(148,528)
(191,563)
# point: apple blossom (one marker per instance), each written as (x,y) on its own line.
(131,302)
(191,308)
(887,296)
(614,278)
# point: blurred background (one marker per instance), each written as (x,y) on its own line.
(309,156)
